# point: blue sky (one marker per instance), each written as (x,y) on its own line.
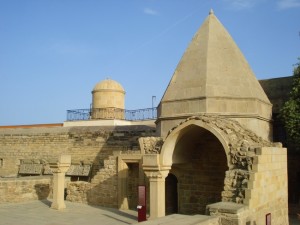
(53,52)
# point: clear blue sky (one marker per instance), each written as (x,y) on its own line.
(53,52)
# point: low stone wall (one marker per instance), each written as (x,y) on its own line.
(78,191)
(101,191)
(14,190)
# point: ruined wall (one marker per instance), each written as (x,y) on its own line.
(13,190)
(266,192)
(87,144)
(97,145)
(103,188)
(34,143)
(77,191)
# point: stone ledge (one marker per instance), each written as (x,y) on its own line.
(226,207)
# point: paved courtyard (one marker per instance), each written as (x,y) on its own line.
(39,213)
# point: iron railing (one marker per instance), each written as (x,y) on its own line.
(112,113)
(141,114)
(78,114)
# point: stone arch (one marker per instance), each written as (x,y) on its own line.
(239,145)
(166,155)
(198,153)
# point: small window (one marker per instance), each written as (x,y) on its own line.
(1,163)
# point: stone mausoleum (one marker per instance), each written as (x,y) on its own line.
(207,150)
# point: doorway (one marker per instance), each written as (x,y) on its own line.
(171,194)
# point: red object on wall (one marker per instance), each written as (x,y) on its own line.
(142,203)
(268,219)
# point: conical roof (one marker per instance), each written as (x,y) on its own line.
(214,78)
(213,66)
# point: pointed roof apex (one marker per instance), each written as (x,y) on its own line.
(213,67)
(211,11)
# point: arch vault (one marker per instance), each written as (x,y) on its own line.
(212,158)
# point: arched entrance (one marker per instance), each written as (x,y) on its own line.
(171,194)
(199,159)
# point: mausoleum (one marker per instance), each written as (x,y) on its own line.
(207,150)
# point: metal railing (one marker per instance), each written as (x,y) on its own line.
(141,114)
(78,114)
(112,113)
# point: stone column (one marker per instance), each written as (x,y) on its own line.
(157,193)
(59,170)
(156,176)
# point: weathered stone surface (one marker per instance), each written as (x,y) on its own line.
(87,144)
(151,145)
(79,170)
(77,191)
(31,169)
(13,190)
(242,144)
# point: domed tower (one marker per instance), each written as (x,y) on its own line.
(108,100)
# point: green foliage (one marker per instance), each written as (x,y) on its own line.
(290,112)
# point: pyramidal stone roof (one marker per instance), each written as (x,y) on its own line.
(213,67)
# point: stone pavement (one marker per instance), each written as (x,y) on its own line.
(40,213)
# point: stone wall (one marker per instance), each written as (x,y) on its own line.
(103,190)
(267,187)
(77,191)
(13,190)
(87,144)
(277,90)
(97,145)
(266,192)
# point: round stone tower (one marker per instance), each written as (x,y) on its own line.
(108,100)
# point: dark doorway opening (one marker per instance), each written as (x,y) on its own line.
(132,185)
(171,194)
(200,162)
